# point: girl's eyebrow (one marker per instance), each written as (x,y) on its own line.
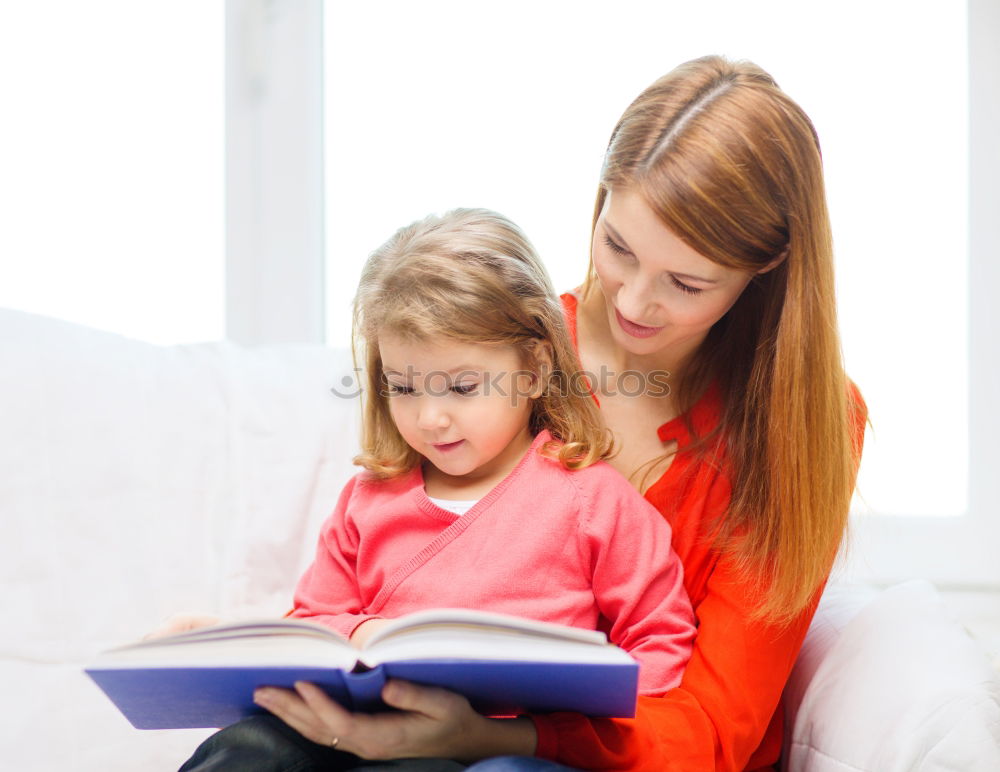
(622,243)
(471,369)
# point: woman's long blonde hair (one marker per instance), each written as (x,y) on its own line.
(732,166)
(469,276)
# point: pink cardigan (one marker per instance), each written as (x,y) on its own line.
(579,548)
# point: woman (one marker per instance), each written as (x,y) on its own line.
(711,261)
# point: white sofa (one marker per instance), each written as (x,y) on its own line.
(138,480)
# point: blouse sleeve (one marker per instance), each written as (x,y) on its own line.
(716,718)
(719,716)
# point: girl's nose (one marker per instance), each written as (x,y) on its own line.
(431,416)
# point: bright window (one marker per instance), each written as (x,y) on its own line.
(436,105)
(111,147)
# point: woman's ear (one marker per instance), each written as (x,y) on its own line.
(775,262)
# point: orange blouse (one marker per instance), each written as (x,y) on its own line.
(726,714)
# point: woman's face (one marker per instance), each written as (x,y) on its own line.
(662,297)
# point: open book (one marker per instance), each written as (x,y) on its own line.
(503,664)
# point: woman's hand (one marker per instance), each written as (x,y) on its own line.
(181,623)
(428,722)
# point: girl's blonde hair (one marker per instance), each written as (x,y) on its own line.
(470,276)
(732,166)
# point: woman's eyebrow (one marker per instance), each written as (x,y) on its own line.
(621,242)
(689,277)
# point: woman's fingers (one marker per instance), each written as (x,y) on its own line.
(332,716)
(434,703)
(291,708)
(426,721)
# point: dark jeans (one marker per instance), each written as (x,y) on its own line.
(268,744)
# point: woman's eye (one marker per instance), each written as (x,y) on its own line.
(684,287)
(615,247)
(464,388)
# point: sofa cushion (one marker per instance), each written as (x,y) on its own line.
(898,685)
(140,480)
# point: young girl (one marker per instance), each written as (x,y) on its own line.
(483,484)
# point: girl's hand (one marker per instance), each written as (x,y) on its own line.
(366,630)
(429,722)
(181,623)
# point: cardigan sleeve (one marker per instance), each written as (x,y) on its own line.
(637,579)
(328,592)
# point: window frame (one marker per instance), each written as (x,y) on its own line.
(275,251)
(275,261)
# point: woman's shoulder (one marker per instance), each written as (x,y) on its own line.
(570,304)
(858,416)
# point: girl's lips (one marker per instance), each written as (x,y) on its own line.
(446,446)
(633,329)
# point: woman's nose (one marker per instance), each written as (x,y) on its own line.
(635,300)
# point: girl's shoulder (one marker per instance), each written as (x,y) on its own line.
(367,483)
(596,481)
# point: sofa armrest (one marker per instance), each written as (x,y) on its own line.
(890,681)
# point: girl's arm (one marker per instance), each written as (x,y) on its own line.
(328,591)
(637,579)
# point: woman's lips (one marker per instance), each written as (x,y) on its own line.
(446,446)
(633,329)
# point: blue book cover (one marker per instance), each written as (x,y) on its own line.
(504,665)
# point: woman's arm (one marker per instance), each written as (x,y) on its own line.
(718,717)
(724,715)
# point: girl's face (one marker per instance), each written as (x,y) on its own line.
(661,296)
(464,407)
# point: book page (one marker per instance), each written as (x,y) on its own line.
(250,643)
(447,619)
(460,634)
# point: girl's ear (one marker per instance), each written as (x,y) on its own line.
(540,364)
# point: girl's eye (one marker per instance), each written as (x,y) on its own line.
(395,388)
(464,388)
(684,287)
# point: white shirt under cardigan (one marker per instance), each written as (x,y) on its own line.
(458,507)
